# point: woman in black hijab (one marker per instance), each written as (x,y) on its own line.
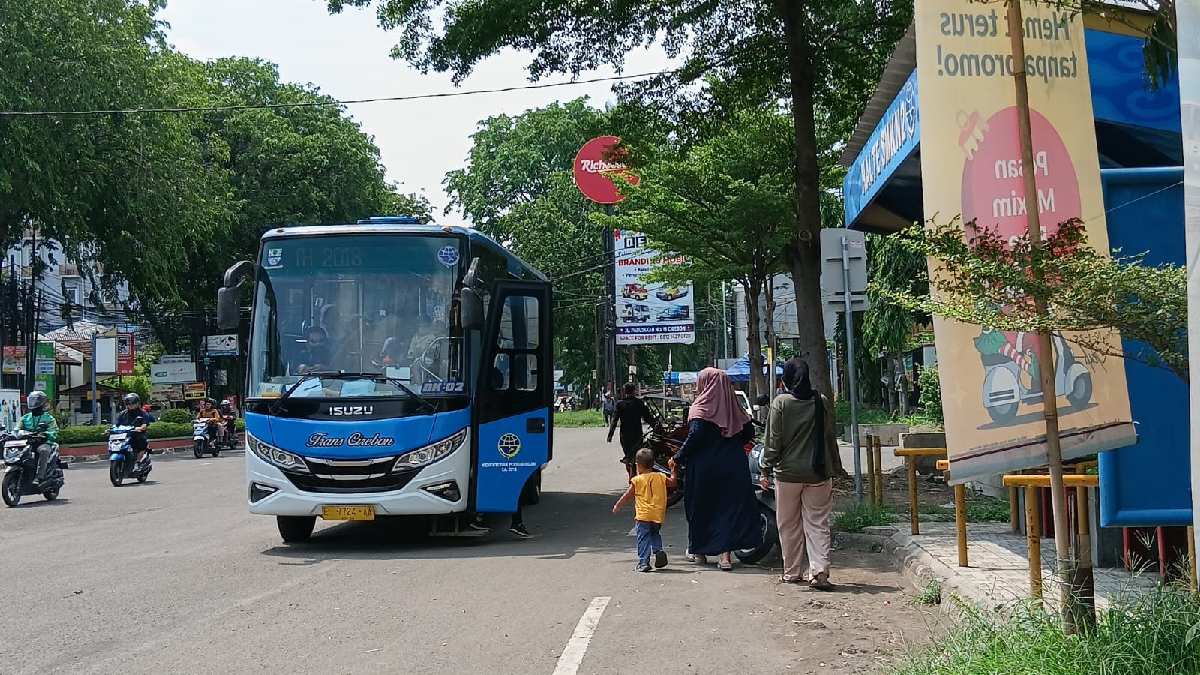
(802,455)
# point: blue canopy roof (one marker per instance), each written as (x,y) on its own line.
(740,370)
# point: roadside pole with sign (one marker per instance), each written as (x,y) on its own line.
(844,282)
(593,173)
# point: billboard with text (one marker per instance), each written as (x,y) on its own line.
(649,313)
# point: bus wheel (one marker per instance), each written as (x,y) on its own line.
(532,494)
(295,529)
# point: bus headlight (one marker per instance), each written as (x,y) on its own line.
(278,457)
(414,459)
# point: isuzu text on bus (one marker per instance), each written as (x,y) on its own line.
(395,369)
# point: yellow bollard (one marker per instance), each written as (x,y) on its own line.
(1033,528)
(1014,509)
(913,505)
(960,522)
(870,469)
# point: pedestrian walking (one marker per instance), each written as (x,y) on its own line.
(648,489)
(801,453)
(608,405)
(718,495)
(629,413)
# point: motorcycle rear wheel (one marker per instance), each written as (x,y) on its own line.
(770,532)
(116,472)
(12,488)
(50,495)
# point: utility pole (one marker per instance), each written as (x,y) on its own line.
(1072,608)
(610,322)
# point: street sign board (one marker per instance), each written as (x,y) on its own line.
(173,373)
(833,281)
(221,345)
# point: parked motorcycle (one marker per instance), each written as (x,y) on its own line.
(766,512)
(201,445)
(122,458)
(20,467)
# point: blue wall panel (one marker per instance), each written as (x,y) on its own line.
(1148,483)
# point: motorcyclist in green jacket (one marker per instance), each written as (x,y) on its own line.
(31,421)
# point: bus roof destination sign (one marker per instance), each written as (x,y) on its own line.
(595,167)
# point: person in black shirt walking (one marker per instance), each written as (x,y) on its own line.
(629,413)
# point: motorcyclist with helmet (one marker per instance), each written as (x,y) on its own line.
(134,416)
(229,416)
(208,412)
(46,440)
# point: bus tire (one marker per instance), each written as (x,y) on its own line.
(532,493)
(295,529)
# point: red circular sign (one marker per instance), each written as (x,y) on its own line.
(594,172)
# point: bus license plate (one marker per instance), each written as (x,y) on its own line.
(348,512)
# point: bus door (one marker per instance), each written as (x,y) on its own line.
(515,388)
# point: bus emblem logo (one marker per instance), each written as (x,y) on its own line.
(350,410)
(274,256)
(508,445)
(448,255)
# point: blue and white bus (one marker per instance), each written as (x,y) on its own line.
(395,369)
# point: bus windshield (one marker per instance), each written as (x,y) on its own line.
(359,304)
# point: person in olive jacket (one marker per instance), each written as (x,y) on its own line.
(801,453)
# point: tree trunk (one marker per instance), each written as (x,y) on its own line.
(754,338)
(803,256)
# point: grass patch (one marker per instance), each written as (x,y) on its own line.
(990,511)
(855,518)
(932,595)
(1155,633)
(868,415)
(579,418)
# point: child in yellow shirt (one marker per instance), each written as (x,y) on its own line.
(649,488)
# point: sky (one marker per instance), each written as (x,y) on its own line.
(346,56)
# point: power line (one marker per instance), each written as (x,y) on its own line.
(322,104)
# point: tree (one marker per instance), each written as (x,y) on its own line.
(888,327)
(828,53)
(519,189)
(987,280)
(725,204)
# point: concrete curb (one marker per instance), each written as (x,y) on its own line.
(179,450)
(921,568)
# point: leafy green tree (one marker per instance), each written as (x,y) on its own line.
(986,280)
(888,327)
(518,188)
(826,54)
(725,204)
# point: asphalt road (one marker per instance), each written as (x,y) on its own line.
(175,576)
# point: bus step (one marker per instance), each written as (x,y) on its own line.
(452,528)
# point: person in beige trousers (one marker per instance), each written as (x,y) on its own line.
(801,454)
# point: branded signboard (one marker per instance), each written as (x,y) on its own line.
(649,313)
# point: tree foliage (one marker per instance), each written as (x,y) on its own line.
(164,201)
(518,188)
(987,280)
(822,56)
(726,204)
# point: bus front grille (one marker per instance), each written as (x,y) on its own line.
(351,476)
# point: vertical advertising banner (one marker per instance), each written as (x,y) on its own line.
(44,378)
(14,360)
(125,354)
(649,313)
(971,166)
(1187,13)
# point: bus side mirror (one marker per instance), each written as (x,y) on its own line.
(229,297)
(472,276)
(228,306)
(471,307)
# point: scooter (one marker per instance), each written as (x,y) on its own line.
(766,512)
(20,467)
(1003,391)
(122,458)
(201,445)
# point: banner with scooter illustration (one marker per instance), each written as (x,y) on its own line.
(971,165)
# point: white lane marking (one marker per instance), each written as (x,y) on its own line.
(572,656)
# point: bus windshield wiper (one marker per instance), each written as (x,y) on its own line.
(380,377)
(303,378)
